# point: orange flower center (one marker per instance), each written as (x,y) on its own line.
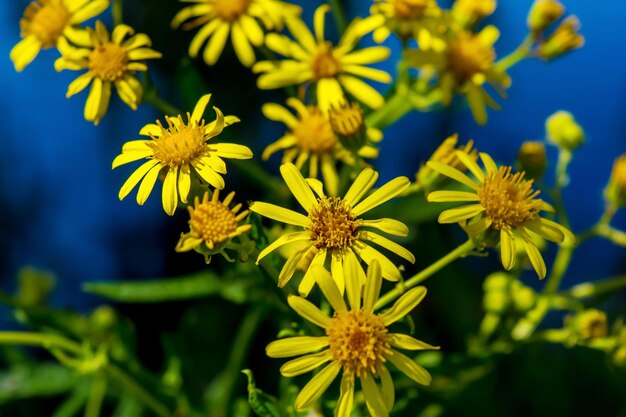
(410,9)
(108,61)
(469,56)
(230,10)
(314,133)
(333,225)
(180,143)
(212,221)
(357,341)
(508,198)
(325,65)
(46,22)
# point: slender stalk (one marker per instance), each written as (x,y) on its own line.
(520,53)
(459,252)
(597,288)
(131,386)
(46,341)
(96,396)
(117,10)
(340,16)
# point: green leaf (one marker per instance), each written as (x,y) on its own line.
(72,404)
(262,404)
(26,381)
(199,285)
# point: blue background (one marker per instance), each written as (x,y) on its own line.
(59,209)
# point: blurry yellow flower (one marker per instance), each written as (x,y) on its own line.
(564,39)
(502,202)
(178,149)
(311,139)
(357,343)
(212,225)
(466,64)
(615,191)
(406,18)
(563,130)
(240,18)
(47,21)
(446,153)
(469,12)
(544,13)
(333,227)
(108,61)
(332,69)
(532,159)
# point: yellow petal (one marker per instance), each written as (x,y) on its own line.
(318,22)
(280,214)
(535,257)
(135,177)
(184,183)
(372,286)
(25,51)
(299,188)
(216,44)
(283,240)
(373,398)
(409,367)
(90,10)
(209,175)
(451,196)
(453,173)
(329,94)
(328,287)
(169,194)
(309,311)
(232,150)
(198,110)
(294,346)
(361,186)
(407,342)
(353,282)
(201,37)
(305,364)
(147,184)
(278,113)
(387,244)
(363,92)
(316,386)
(507,249)
(382,195)
(488,162)
(79,84)
(366,56)
(456,215)
(390,226)
(345,404)
(369,254)
(242,47)
(386,386)
(404,305)
(471,165)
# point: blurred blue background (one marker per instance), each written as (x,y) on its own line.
(59,209)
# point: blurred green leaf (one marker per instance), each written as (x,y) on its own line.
(28,381)
(262,404)
(72,404)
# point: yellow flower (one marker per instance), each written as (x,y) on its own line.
(47,21)
(333,227)
(615,191)
(543,14)
(240,18)
(311,139)
(212,225)
(469,12)
(464,66)
(357,343)
(406,18)
(502,202)
(331,68)
(177,149)
(532,159)
(564,39)
(109,60)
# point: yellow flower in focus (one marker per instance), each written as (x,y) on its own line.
(212,225)
(47,21)
(465,66)
(109,60)
(239,18)
(469,12)
(333,228)
(407,19)
(179,149)
(357,343)
(311,139)
(330,68)
(501,202)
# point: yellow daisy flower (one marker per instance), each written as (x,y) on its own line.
(407,19)
(212,225)
(311,138)
(178,149)
(240,18)
(46,21)
(109,60)
(503,204)
(465,66)
(333,227)
(331,69)
(357,343)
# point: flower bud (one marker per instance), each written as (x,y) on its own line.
(469,12)
(348,124)
(591,324)
(544,13)
(564,39)
(563,131)
(615,191)
(532,159)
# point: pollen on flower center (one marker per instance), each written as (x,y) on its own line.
(508,198)
(357,341)
(108,61)
(409,9)
(324,64)
(230,10)
(46,22)
(213,222)
(314,133)
(469,56)
(180,143)
(333,225)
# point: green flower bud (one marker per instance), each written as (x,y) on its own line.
(615,191)
(591,324)
(532,159)
(543,14)
(563,131)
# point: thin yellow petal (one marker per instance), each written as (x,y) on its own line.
(294,346)
(451,196)
(147,184)
(404,341)
(184,183)
(372,286)
(507,249)
(388,244)
(232,150)
(369,254)
(373,398)
(305,364)
(170,191)
(456,215)
(386,386)
(345,404)
(361,186)
(409,367)
(535,257)
(216,44)
(283,240)
(135,177)
(328,287)
(390,226)
(382,195)
(298,186)
(309,311)
(404,305)
(242,46)
(363,92)
(280,214)
(471,165)
(353,282)
(316,386)
(453,173)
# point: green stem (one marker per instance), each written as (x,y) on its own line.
(151,97)
(46,341)
(96,396)
(256,174)
(520,53)
(594,289)
(564,159)
(117,8)
(132,387)
(393,110)
(400,288)
(340,17)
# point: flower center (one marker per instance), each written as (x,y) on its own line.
(509,199)
(410,9)
(230,10)
(357,341)
(213,222)
(314,133)
(469,56)
(325,65)
(333,224)
(108,61)
(46,22)
(180,143)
